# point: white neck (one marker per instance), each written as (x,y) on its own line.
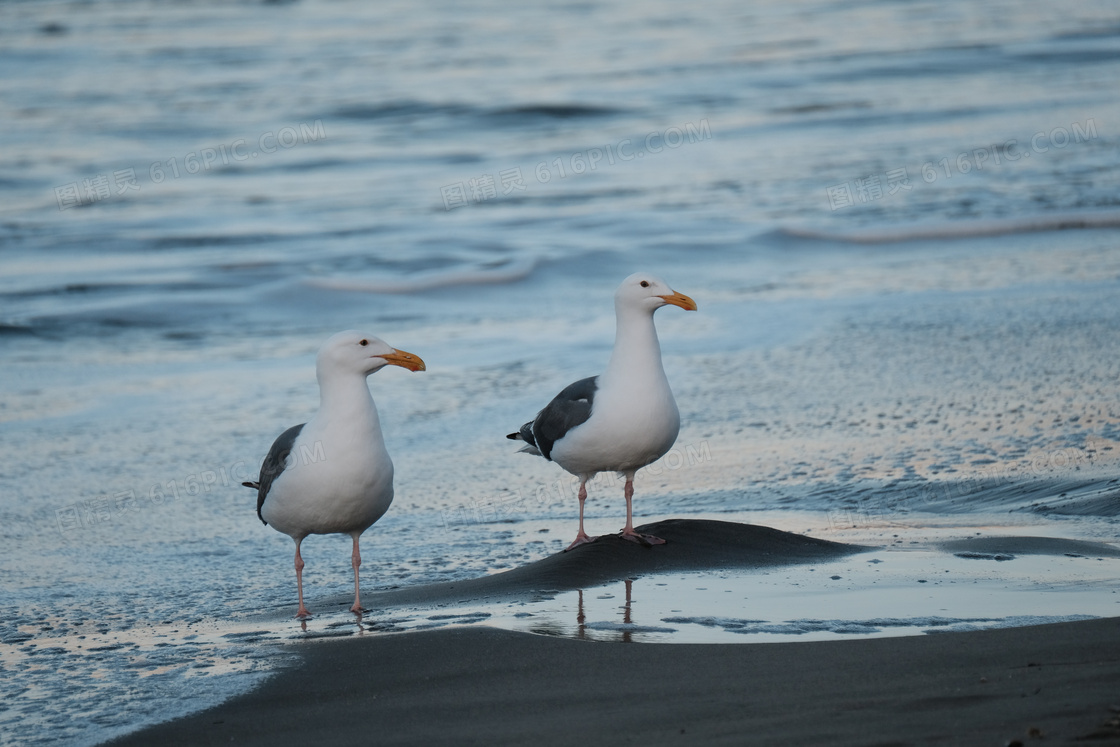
(345,396)
(636,349)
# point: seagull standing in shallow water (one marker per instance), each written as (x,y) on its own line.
(332,474)
(623,419)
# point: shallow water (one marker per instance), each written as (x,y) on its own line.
(899,220)
(922,575)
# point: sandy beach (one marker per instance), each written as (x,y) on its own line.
(1044,684)
(1053,684)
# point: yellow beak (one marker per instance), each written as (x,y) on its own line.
(404,360)
(680,299)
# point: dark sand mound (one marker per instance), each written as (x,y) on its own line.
(691,545)
(1004,546)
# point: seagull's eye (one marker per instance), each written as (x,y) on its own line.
(363,343)
(645,283)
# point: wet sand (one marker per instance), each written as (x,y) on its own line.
(485,686)
(1048,684)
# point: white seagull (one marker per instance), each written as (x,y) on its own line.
(332,474)
(623,419)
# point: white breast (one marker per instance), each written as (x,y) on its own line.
(630,427)
(332,484)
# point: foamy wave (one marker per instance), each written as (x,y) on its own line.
(507,273)
(932,624)
(628,627)
(964,229)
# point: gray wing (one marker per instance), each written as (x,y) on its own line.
(274,464)
(569,408)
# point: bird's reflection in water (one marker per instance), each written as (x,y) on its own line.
(625,636)
(626,614)
(581,618)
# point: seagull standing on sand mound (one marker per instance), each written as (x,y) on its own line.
(332,474)
(623,419)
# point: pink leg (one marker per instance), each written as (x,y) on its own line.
(581,538)
(302,614)
(356,560)
(628,531)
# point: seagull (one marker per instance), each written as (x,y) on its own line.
(623,419)
(332,474)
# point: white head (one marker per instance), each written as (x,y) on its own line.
(353,352)
(644,291)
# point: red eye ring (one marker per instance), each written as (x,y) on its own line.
(645,283)
(363,343)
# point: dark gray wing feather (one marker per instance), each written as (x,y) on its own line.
(524,434)
(567,409)
(274,464)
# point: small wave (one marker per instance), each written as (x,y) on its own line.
(628,627)
(934,624)
(1093,32)
(188,241)
(984,556)
(553,111)
(1079,57)
(14,329)
(1061,496)
(843,627)
(1014,621)
(507,273)
(819,107)
(961,230)
(394,109)
(516,114)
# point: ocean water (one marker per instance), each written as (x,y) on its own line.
(900,220)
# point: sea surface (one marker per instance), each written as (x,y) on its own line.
(900,220)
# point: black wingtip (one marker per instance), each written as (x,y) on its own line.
(253,485)
(514,437)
